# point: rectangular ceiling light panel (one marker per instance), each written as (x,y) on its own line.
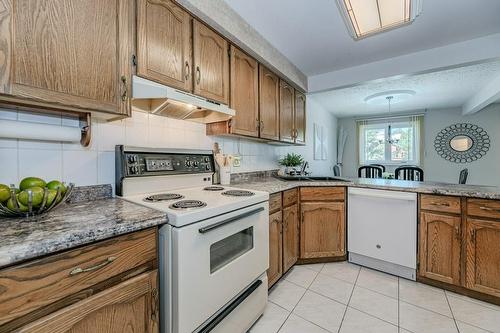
(368,17)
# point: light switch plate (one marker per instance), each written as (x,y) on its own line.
(237,161)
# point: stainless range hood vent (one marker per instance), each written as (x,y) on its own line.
(166,101)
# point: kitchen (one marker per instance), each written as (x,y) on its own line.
(197,166)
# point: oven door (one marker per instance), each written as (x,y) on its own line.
(214,260)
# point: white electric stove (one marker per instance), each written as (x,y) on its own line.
(214,251)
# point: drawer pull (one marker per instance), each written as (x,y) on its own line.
(445,204)
(154,309)
(489,209)
(79,270)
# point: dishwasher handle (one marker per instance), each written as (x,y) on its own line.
(380,194)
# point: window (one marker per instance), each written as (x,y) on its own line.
(403,146)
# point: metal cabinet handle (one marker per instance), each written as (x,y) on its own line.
(187,71)
(261,125)
(257,124)
(217,225)
(124,95)
(489,209)
(79,270)
(154,305)
(445,204)
(457,232)
(198,75)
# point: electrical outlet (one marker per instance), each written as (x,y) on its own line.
(237,161)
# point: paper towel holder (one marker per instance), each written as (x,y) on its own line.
(86,127)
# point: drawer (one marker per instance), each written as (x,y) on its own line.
(440,203)
(322,194)
(290,197)
(274,202)
(72,275)
(484,208)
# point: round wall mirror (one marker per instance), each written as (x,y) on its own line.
(461,143)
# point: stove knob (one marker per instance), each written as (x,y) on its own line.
(207,159)
(131,158)
(131,170)
(136,169)
(188,163)
(207,167)
(196,163)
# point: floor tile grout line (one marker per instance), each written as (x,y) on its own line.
(349,300)
(473,301)
(452,314)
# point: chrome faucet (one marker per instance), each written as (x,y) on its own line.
(303,171)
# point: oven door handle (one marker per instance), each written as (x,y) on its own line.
(217,225)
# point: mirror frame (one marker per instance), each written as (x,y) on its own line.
(480,143)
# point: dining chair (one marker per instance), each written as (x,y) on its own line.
(370,171)
(409,172)
(380,165)
(462,179)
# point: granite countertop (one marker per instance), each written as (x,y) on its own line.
(274,185)
(72,225)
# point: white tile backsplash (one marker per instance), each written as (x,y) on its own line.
(71,162)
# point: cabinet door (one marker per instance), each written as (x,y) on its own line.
(269,110)
(244,93)
(131,306)
(275,270)
(290,236)
(73,55)
(322,229)
(482,267)
(440,247)
(164,43)
(211,62)
(287,122)
(300,118)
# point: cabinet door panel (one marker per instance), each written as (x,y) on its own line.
(322,230)
(72,53)
(483,256)
(300,118)
(164,43)
(290,236)
(440,239)
(275,270)
(131,306)
(211,64)
(244,94)
(287,123)
(269,104)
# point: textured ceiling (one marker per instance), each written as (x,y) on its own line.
(313,36)
(444,89)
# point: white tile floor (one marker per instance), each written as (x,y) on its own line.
(345,298)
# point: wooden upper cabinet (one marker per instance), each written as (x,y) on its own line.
(164,43)
(440,245)
(68,55)
(291,233)
(211,64)
(269,104)
(287,122)
(322,230)
(482,267)
(300,117)
(275,270)
(244,93)
(131,306)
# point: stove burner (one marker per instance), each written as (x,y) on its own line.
(238,193)
(213,188)
(188,204)
(163,197)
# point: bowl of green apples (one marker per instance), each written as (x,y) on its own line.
(34,196)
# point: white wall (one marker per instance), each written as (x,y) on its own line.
(317,114)
(482,172)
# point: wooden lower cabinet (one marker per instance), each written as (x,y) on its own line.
(275,270)
(440,246)
(131,306)
(322,229)
(482,263)
(291,231)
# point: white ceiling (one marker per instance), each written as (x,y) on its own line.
(313,36)
(443,89)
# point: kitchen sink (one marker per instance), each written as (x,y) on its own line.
(313,178)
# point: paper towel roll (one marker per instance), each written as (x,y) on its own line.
(13,129)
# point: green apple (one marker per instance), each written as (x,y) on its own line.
(55,184)
(11,206)
(29,182)
(51,195)
(4,192)
(37,198)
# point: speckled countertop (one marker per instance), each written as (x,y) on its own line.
(72,225)
(274,185)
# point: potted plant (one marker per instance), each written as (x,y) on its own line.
(291,160)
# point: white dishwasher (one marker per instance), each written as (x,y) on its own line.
(382,230)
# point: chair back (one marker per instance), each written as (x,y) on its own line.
(380,165)
(336,171)
(409,172)
(370,171)
(462,179)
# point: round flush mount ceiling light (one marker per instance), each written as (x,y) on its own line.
(398,96)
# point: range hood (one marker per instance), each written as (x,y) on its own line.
(166,101)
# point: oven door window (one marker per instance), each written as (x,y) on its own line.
(228,249)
